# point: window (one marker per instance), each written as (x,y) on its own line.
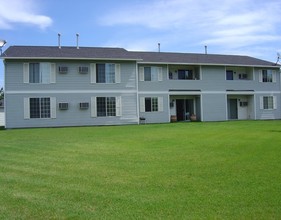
(151,104)
(150,73)
(268,102)
(44,73)
(267,76)
(185,74)
(229,75)
(106,106)
(40,108)
(105,73)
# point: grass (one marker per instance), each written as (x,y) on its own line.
(220,170)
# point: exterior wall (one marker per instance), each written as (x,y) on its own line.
(214,107)
(211,92)
(73,88)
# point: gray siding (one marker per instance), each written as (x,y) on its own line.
(214,107)
(73,116)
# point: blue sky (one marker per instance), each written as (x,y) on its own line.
(243,27)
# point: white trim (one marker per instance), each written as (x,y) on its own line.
(70,58)
(53,73)
(71,91)
(142,104)
(137,93)
(201,107)
(160,73)
(160,104)
(255,108)
(141,74)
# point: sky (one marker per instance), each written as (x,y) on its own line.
(241,27)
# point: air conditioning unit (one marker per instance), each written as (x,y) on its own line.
(63,106)
(63,69)
(243,104)
(83,69)
(84,105)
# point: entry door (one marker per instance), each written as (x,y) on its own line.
(233,109)
(180,109)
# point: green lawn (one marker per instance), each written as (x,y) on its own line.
(220,170)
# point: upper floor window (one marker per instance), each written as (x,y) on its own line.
(239,73)
(267,75)
(105,73)
(184,73)
(44,73)
(150,73)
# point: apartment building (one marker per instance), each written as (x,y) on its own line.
(69,86)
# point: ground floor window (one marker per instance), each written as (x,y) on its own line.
(151,104)
(106,106)
(268,102)
(40,108)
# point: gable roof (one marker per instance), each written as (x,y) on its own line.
(204,59)
(103,53)
(48,52)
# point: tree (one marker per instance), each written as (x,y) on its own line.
(1,93)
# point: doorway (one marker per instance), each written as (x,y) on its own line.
(233,109)
(184,108)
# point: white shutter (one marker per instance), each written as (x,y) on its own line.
(273,76)
(93,73)
(53,107)
(93,107)
(160,74)
(53,73)
(26,73)
(142,104)
(160,104)
(260,75)
(26,108)
(117,73)
(141,73)
(274,102)
(261,102)
(118,106)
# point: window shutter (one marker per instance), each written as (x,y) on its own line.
(118,106)
(160,74)
(141,74)
(273,76)
(260,75)
(26,73)
(53,107)
(53,73)
(142,104)
(274,102)
(261,102)
(160,104)
(93,73)
(26,108)
(117,73)
(93,107)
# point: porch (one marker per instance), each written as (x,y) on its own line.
(240,107)
(185,108)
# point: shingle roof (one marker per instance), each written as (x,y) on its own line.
(192,58)
(66,52)
(52,52)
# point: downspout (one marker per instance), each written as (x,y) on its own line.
(137,93)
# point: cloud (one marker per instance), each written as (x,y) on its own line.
(21,12)
(219,23)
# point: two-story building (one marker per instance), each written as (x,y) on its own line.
(68,86)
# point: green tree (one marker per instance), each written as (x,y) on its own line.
(1,93)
